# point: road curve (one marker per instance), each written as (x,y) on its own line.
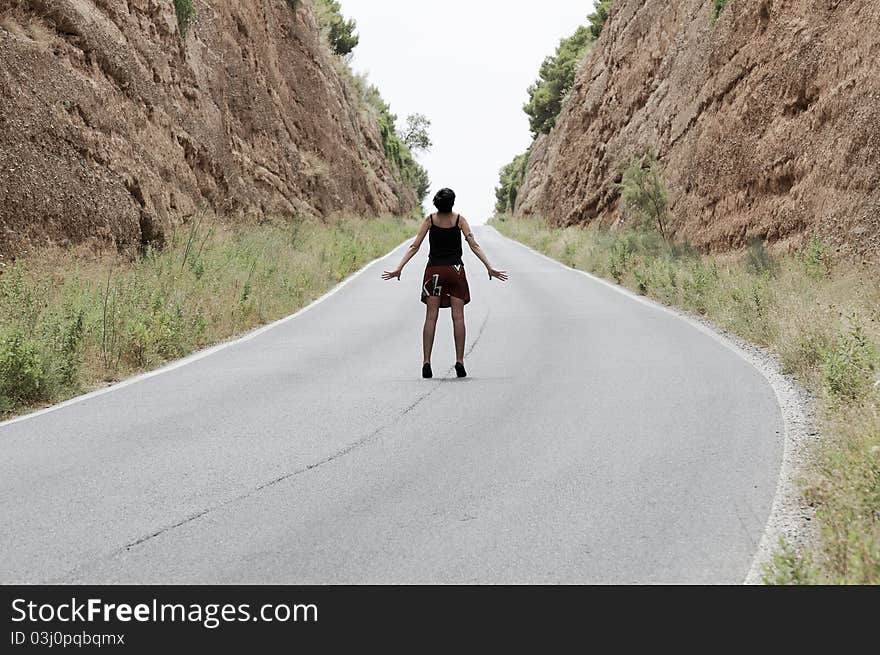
(598,440)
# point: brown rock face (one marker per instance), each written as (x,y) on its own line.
(114,127)
(767,123)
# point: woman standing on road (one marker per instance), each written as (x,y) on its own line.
(445,283)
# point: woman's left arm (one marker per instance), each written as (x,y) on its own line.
(478,251)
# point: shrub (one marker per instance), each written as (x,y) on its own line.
(511,178)
(67,347)
(18,298)
(816,259)
(396,151)
(642,278)
(185,13)
(619,259)
(422,182)
(802,353)
(758,258)
(555,79)
(643,193)
(558,71)
(717,7)
(598,18)
(415,135)
(339,32)
(698,285)
(22,374)
(681,250)
(789,567)
(847,368)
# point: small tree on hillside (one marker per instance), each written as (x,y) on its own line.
(555,80)
(340,32)
(510,179)
(597,18)
(717,8)
(415,134)
(557,74)
(185,15)
(643,192)
(422,182)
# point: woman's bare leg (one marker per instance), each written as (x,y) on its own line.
(458,327)
(431,315)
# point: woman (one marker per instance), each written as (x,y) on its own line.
(445,283)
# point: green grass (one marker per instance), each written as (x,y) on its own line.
(69,321)
(820,317)
(717,8)
(186,12)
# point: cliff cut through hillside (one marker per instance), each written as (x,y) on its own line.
(767,123)
(115,126)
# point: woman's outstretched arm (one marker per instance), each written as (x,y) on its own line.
(478,251)
(410,252)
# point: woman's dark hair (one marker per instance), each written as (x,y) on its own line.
(444,200)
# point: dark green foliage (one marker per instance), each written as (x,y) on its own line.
(398,148)
(22,374)
(423,182)
(556,78)
(185,14)
(340,32)
(66,337)
(512,177)
(717,7)
(558,72)
(386,120)
(597,18)
(397,152)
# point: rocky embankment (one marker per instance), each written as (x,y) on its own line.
(766,122)
(115,125)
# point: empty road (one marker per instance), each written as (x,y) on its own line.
(597,440)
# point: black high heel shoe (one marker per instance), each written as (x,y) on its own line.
(459,370)
(426,370)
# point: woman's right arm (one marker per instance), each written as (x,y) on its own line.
(410,252)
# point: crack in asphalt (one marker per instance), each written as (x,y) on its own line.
(337,455)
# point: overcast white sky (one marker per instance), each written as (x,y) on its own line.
(466,64)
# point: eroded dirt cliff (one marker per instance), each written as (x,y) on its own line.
(114,126)
(767,123)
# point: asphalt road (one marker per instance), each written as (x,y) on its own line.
(597,440)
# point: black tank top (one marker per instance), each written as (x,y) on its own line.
(445,244)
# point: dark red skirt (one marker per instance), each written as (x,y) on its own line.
(446,282)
